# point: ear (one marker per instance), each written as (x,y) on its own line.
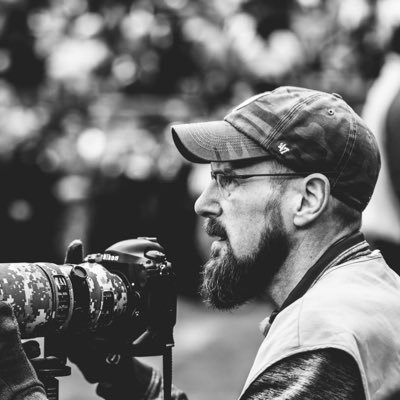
(313,199)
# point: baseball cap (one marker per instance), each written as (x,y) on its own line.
(306,130)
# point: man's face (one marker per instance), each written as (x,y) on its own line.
(251,242)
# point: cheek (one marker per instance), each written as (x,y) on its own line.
(246,229)
(287,207)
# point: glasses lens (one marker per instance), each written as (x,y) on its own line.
(219,179)
(225,183)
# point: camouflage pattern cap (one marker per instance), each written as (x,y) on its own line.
(306,130)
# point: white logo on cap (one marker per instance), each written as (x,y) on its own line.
(283,148)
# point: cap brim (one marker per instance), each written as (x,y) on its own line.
(216,141)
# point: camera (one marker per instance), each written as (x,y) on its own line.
(125,296)
(129,291)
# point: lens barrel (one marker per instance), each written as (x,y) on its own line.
(46,297)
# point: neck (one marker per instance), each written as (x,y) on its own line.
(302,256)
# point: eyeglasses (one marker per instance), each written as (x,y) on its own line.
(227,182)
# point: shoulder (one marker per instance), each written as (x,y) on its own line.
(343,298)
(347,307)
(368,280)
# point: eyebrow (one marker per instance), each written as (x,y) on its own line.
(228,168)
(224,170)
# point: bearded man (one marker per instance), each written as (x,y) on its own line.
(291,172)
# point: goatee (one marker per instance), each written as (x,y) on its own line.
(228,281)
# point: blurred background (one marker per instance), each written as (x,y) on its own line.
(88,89)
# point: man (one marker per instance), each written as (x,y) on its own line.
(292,171)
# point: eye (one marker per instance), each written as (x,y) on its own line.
(226,180)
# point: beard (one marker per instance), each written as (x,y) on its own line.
(228,282)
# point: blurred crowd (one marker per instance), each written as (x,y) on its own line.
(88,89)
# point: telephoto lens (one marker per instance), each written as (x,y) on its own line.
(48,298)
(40,294)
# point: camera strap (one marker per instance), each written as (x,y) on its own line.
(345,249)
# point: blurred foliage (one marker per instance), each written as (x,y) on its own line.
(89,87)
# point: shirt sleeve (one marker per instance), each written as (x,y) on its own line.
(314,375)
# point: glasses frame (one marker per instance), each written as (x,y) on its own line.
(245,176)
(214,176)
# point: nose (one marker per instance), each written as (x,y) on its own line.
(207,205)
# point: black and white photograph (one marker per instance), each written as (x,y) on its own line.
(200,199)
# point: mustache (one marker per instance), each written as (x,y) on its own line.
(214,228)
